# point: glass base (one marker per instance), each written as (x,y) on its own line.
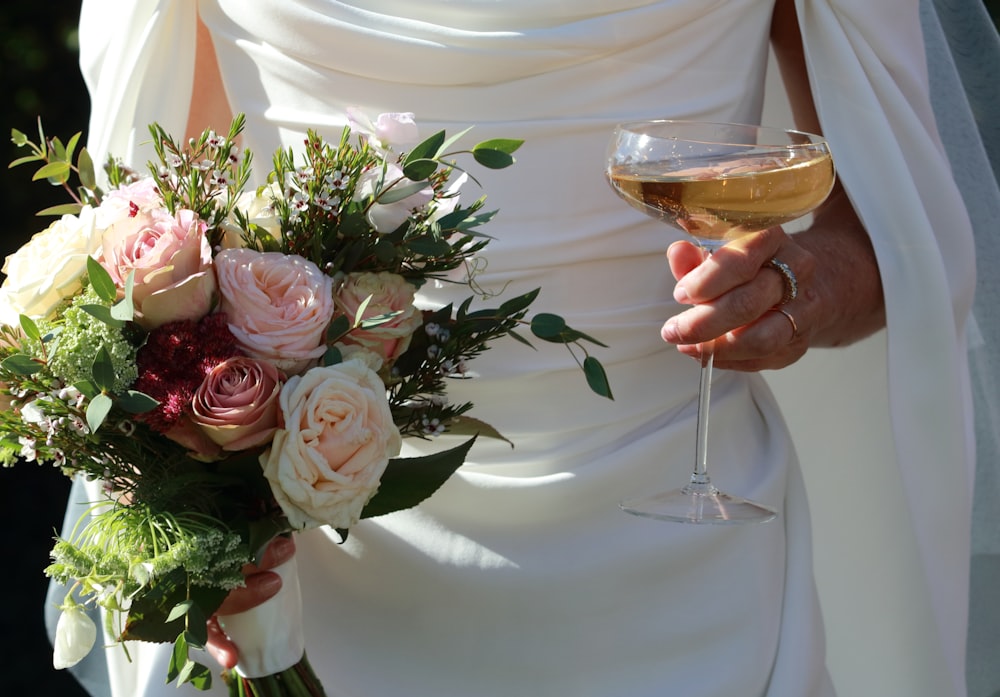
(700,504)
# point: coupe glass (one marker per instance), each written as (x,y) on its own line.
(716,182)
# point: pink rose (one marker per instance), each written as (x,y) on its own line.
(337,437)
(126,201)
(171,260)
(278,305)
(237,403)
(386,293)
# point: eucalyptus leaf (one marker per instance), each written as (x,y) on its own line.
(340,326)
(597,378)
(493,159)
(103,370)
(178,658)
(21,364)
(103,313)
(408,481)
(420,170)
(29,328)
(545,325)
(504,145)
(429,149)
(519,303)
(463,425)
(124,310)
(97,411)
(135,402)
(100,281)
(180,609)
(85,165)
(333,356)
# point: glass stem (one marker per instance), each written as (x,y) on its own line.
(700,481)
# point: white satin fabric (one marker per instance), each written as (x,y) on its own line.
(521,576)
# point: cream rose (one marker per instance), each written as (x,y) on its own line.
(236,404)
(386,293)
(49,268)
(278,305)
(258,207)
(172,262)
(386,217)
(338,435)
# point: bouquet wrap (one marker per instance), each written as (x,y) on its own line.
(269,636)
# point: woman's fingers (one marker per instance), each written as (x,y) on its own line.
(734,293)
(260,586)
(219,646)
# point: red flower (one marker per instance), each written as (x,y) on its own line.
(175,359)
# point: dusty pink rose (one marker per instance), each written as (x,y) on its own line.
(237,403)
(337,437)
(279,306)
(171,260)
(386,293)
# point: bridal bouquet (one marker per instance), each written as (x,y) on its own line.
(231,364)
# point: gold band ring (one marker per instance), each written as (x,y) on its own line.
(788,278)
(791,321)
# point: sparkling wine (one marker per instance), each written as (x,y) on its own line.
(720,199)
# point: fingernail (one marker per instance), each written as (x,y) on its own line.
(680,294)
(669,332)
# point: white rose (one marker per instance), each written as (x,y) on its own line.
(75,637)
(338,435)
(48,269)
(386,217)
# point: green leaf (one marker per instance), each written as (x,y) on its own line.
(463,425)
(453,139)
(429,149)
(85,164)
(29,328)
(25,160)
(71,146)
(408,481)
(20,364)
(420,170)
(504,145)
(518,304)
(199,675)
(124,310)
(333,356)
(147,615)
(100,281)
(493,159)
(180,609)
(103,370)
(97,411)
(61,209)
(135,402)
(340,326)
(399,192)
(58,171)
(545,325)
(178,658)
(596,377)
(103,313)
(18,138)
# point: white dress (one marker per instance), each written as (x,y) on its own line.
(521,576)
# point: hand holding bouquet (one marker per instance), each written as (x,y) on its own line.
(235,364)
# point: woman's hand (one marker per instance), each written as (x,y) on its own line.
(261,584)
(737,297)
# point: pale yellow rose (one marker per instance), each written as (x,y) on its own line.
(386,293)
(337,438)
(258,207)
(49,268)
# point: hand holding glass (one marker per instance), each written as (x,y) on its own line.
(716,182)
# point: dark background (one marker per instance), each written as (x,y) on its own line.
(39,75)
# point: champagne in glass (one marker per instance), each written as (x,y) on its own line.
(715,182)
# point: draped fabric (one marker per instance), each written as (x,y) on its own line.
(521,576)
